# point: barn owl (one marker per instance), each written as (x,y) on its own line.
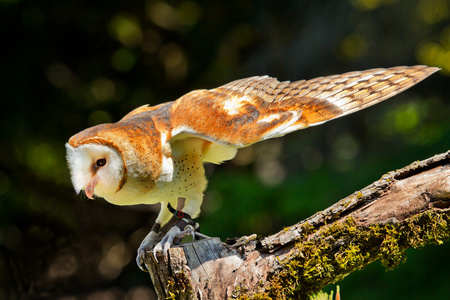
(155,154)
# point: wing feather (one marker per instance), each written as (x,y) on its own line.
(145,109)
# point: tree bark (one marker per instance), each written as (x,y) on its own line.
(407,208)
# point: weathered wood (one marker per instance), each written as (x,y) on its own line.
(406,208)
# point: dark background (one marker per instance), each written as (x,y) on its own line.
(67,65)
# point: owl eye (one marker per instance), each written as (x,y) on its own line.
(101,162)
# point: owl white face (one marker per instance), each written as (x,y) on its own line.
(96,169)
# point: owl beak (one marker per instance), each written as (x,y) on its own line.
(90,188)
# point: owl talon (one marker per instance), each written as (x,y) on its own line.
(140,260)
(147,244)
(174,233)
(166,242)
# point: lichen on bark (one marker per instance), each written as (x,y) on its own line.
(331,253)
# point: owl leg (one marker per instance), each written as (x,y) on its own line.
(184,226)
(154,236)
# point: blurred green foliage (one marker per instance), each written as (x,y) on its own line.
(67,65)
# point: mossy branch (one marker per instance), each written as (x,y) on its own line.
(407,208)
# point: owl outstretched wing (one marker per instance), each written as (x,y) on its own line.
(250,110)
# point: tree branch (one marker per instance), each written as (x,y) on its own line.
(407,208)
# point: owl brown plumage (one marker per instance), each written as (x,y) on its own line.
(155,154)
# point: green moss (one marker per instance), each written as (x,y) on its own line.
(241,294)
(179,287)
(352,257)
(171,290)
(324,296)
(344,247)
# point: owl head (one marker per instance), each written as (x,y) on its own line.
(103,157)
(95,168)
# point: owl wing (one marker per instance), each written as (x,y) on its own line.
(250,110)
(145,109)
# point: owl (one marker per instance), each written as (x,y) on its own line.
(155,154)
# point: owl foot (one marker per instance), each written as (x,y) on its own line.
(149,243)
(183,227)
(173,236)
